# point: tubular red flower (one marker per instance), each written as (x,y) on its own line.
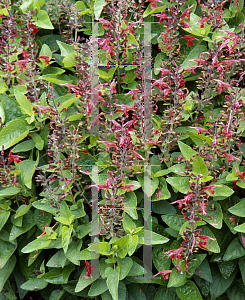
(15,158)
(164,274)
(231,157)
(190,39)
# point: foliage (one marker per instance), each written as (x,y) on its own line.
(77,99)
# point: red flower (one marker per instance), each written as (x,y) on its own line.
(175,253)
(186,13)
(108,144)
(34,30)
(200,129)
(202,21)
(158,193)
(222,85)
(205,239)
(154,3)
(231,157)
(190,39)
(89,269)
(191,69)
(241,174)
(105,23)
(161,16)
(15,158)
(46,59)
(22,64)
(164,274)
(211,188)
(24,54)
(243,239)
(184,201)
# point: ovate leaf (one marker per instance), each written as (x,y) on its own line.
(188,291)
(112,281)
(186,150)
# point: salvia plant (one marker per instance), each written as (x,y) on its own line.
(122,138)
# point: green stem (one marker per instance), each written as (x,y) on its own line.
(61,294)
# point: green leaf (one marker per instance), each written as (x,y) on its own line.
(22,210)
(39,142)
(45,51)
(214,214)
(240,228)
(205,271)
(128,224)
(241,264)
(12,133)
(4,215)
(165,194)
(42,218)
(181,184)
(67,103)
(238,209)
(188,291)
(58,260)
(98,287)
(222,190)
(194,54)
(6,251)
(234,250)
(164,293)
(186,150)
(13,190)
(130,204)
(195,27)
(57,79)
(45,205)
(28,223)
(2,114)
(10,107)
(24,146)
(43,20)
(176,278)
(84,281)
(173,221)
(161,261)
(122,244)
(150,11)
(199,167)
(27,170)
(112,281)
(219,284)
(98,7)
(58,275)
(37,244)
(227,267)
(154,185)
(236,291)
(135,292)
(198,139)
(69,61)
(7,270)
(105,74)
(52,71)
(66,235)
(213,246)
(65,49)
(125,265)
(136,270)
(34,284)
(132,244)
(153,238)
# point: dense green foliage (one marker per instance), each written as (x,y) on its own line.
(88,108)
